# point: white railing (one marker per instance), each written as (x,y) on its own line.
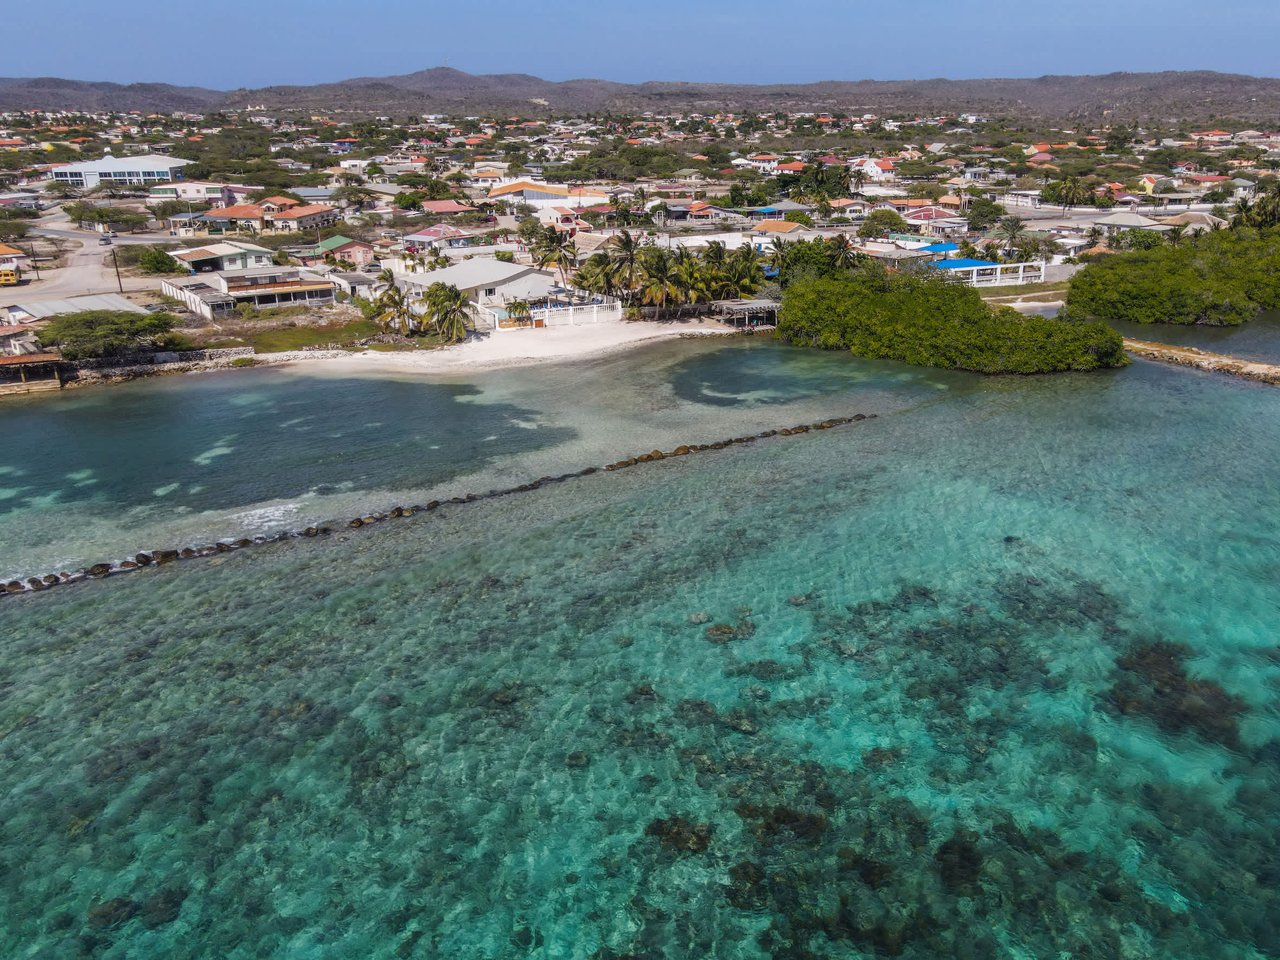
(579,315)
(488,318)
(999,275)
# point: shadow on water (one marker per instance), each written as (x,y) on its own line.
(208,443)
(1256,340)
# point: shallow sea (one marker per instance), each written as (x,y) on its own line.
(992,675)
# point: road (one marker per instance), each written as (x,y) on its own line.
(85,272)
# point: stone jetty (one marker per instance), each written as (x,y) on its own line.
(1202,360)
(149,558)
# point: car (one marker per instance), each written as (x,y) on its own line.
(113,234)
(104,241)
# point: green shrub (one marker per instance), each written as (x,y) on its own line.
(933,322)
(1216,279)
(245,362)
(108,333)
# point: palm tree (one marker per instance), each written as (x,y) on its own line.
(596,275)
(1177,234)
(393,310)
(556,249)
(692,277)
(448,310)
(658,280)
(844,255)
(1010,230)
(857,180)
(625,253)
(520,311)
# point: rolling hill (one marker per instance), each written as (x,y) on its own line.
(1130,97)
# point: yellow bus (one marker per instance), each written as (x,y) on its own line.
(8,278)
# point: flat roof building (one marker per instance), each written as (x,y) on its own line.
(132,171)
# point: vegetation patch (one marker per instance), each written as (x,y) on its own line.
(1218,279)
(932,322)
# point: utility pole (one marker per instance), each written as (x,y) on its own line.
(115,263)
(31,251)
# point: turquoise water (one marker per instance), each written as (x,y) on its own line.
(993,675)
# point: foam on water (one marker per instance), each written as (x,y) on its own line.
(993,675)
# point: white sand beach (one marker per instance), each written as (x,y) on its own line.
(508,348)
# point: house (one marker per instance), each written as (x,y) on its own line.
(445,208)
(240,216)
(132,171)
(485,282)
(213,295)
(876,171)
(18,339)
(539,195)
(307,217)
(226,255)
(200,191)
(441,235)
(340,248)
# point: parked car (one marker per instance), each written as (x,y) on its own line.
(113,235)
(104,241)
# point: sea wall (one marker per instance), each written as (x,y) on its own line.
(152,557)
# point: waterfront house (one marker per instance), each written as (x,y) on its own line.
(213,295)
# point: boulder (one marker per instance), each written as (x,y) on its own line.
(98,570)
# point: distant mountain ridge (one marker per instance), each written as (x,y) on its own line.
(1177,95)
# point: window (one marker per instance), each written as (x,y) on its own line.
(491,292)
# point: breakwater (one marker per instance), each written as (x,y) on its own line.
(149,558)
(1202,360)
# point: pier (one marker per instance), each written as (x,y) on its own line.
(1201,360)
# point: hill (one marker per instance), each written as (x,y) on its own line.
(1130,97)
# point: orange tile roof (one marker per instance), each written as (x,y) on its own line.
(8,251)
(239,211)
(309,210)
(776,226)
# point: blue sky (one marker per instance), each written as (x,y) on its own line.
(235,43)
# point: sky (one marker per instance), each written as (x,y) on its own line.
(253,43)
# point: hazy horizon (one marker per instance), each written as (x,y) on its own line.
(296,43)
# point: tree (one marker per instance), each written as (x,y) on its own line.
(659,282)
(108,333)
(12,230)
(1009,231)
(393,310)
(881,223)
(983,214)
(155,260)
(448,310)
(624,255)
(520,312)
(555,249)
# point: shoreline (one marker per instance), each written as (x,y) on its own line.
(507,349)
(514,349)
